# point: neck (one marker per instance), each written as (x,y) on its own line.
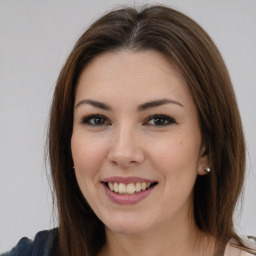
(175,239)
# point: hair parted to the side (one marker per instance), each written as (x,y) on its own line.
(185,44)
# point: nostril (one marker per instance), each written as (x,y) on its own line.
(114,162)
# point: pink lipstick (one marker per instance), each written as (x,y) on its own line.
(128,190)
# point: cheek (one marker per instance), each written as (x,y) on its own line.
(177,158)
(88,154)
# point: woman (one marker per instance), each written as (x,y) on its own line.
(145,142)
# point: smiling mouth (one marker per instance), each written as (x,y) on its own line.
(130,188)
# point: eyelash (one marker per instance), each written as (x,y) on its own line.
(86,120)
(165,120)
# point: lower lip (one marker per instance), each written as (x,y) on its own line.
(127,199)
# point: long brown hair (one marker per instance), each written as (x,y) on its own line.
(192,51)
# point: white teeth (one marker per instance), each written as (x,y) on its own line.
(130,188)
(138,187)
(116,187)
(111,186)
(143,185)
(122,188)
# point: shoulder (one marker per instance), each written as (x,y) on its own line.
(233,250)
(40,246)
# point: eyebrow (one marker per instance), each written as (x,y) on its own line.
(142,107)
(94,103)
(156,103)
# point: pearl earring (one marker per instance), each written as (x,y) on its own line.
(207,169)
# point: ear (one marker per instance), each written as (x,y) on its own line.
(204,161)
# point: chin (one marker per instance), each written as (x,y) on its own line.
(126,229)
(127,225)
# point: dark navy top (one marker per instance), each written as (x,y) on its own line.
(44,244)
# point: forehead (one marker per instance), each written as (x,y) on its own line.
(132,74)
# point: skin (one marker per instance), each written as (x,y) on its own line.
(127,142)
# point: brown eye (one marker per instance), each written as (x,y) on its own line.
(95,120)
(160,120)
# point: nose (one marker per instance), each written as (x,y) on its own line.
(125,150)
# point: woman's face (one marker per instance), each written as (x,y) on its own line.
(136,142)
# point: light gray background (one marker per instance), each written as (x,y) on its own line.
(35,39)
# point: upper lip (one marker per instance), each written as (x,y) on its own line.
(126,180)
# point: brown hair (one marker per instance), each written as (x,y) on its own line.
(193,52)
